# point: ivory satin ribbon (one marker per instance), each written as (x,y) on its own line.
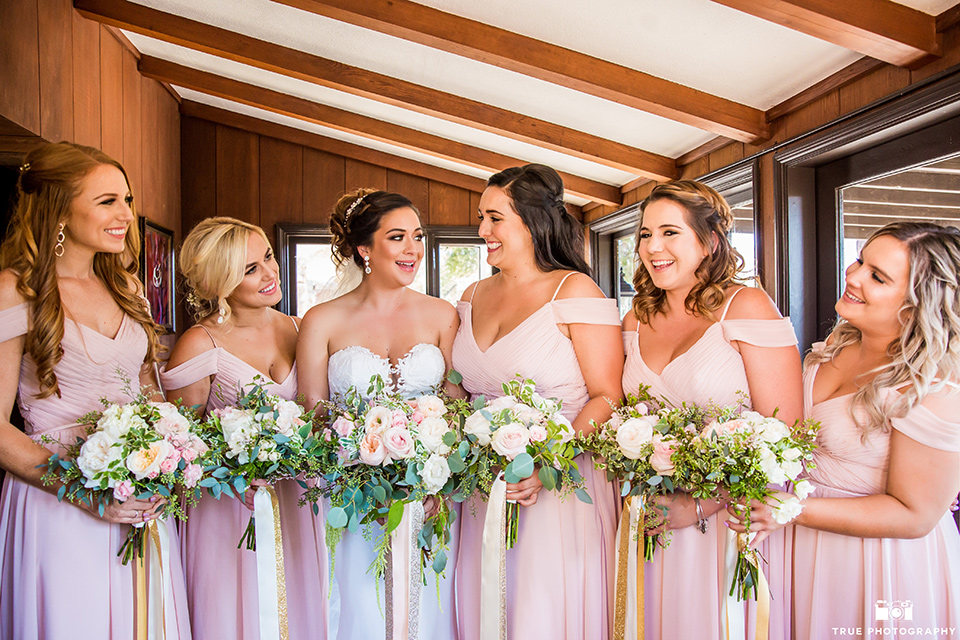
(403,576)
(629,613)
(493,565)
(153,583)
(272,592)
(733,611)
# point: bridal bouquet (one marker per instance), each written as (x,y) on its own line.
(742,454)
(376,456)
(141,448)
(262,438)
(519,432)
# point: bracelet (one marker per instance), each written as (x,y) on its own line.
(701,521)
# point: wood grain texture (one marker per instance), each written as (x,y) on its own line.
(131,115)
(111,95)
(281,183)
(324,181)
(449,206)
(238,174)
(55,26)
(362,175)
(877,84)
(149,150)
(415,188)
(198,172)
(86,81)
(20,64)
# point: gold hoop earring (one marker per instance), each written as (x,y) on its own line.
(58,250)
(366,264)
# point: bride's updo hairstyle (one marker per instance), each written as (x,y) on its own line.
(711,219)
(536,195)
(356,217)
(212,260)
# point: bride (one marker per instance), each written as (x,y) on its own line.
(380,327)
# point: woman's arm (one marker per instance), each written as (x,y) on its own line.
(450,322)
(312,357)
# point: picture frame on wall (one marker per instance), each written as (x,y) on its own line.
(157,272)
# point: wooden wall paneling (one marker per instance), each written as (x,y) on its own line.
(875,85)
(324,181)
(168,153)
(725,156)
(238,179)
(131,121)
(281,183)
(413,187)
(149,151)
(765,213)
(86,81)
(20,65)
(474,208)
(449,206)
(111,95)
(198,172)
(808,117)
(695,169)
(951,56)
(55,28)
(362,175)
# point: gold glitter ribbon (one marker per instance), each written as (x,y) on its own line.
(271,582)
(630,556)
(402,577)
(151,614)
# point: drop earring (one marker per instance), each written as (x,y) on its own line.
(221,315)
(58,250)
(366,264)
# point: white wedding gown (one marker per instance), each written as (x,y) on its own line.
(354,610)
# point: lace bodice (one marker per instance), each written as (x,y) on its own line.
(416,373)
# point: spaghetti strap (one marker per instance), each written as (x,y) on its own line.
(209,335)
(729,302)
(292,319)
(476,285)
(560,285)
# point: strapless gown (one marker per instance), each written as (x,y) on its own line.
(684,584)
(60,577)
(560,572)
(354,601)
(847,582)
(221,579)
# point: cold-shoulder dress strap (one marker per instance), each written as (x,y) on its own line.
(586,311)
(14,322)
(555,293)
(929,429)
(733,295)
(777,332)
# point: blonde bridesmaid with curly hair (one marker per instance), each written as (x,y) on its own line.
(73,324)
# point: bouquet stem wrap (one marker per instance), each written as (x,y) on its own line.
(272,592)
(733,609)
(629,612)
(493,562)
(403,575)
(153,584)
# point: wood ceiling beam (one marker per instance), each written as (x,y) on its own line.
(364,126)
(545,61)
(881,29)
(329,73)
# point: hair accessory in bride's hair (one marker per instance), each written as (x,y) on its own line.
(24,168)
(353,206)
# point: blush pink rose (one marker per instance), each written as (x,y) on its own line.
(122,490)
(191,475)
(510,440)
(189,454)
(538,433)
(168,465)
(343,426)
(372,451)
(726,428)
(662,450)
(399,442)
(399,418)
(417,417)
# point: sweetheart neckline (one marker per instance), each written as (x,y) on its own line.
(381,358)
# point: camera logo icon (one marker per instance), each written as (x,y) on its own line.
(894,610)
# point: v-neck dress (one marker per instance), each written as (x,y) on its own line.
(60,577)
(222,579)
(684,584)
(849,582)
(560,572)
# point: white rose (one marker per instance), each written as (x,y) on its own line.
(435,473)
(96,454)
(377,420)
(566,428)
(633,435)
(774,431)
(787,510)
(118,420)
(510,440)
(145,463)
(430,432)
(752,417)
(171,421)
(233,420)
(478,426)
(770,467)
(501,403)
(528,415)
(431,406)
(268,451)
(289,418)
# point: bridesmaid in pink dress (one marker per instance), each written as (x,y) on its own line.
(543,317)
(72,324)
(233,276)
(696,336)
(876,551)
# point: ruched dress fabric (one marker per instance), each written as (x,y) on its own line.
(845,582)
(60,577)
(560,572)
(354,598)
(222,579)
(684,585)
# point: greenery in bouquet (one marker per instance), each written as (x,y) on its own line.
(520,433)
(377,455)
(262,438)
(141,449)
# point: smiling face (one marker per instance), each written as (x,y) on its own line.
(260,286)
(397,247)
(668,247)
(100,214)
(876,287)
(508,240)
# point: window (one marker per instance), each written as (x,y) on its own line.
(625,246)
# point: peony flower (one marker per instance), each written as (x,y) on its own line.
(122,491)
(372,451)
(289,417)
(95,457)
(435,473)
(787,510)
(431,432)
(171,421)
(662,451)
(431,406)
(191,475)
(399,443)
(343,426)
(477,425)
(145,463)
(538,433)
(633,435)
(377,420)
(803,489)
(510,440)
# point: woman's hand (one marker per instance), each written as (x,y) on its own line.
(762,520)
(431,506)
(681,511)
(525,492)
(131,511)
(249,494)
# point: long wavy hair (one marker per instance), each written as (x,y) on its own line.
(50,179)
(927,354)
(711,219)
(212,261)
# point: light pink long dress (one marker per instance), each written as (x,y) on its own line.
(560,572)
(684,584)
(60,577)
(221,579)
(846,582)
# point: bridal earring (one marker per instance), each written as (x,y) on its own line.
(221,315)
(58,250)
(366,264)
